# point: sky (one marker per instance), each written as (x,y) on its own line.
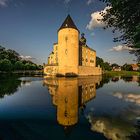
(30,28)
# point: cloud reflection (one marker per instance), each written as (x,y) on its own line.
(112,128)
(130,97)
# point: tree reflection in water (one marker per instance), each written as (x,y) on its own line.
(8,85)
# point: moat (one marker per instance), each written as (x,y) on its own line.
(84,108)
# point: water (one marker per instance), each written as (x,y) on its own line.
(100,108)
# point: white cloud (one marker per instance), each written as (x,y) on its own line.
(26,57)
(120,48)
(89,2)
(96,18)
(3,3)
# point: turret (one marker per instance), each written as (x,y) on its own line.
(83,39)
(68,41)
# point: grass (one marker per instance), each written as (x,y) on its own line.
(122,73)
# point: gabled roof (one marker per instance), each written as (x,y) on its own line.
(68,23)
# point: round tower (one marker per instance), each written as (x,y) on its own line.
(68,41)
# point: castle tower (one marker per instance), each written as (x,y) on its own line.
(68,41)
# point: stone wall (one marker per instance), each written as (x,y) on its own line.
(50,70)
(87,70)
(80,70)
(67,69)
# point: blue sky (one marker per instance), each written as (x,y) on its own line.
(30,27)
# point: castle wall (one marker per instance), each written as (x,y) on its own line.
(88,57)
(88,70)
(55,51)
(82,70)
(50,70)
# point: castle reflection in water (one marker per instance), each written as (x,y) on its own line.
(70,94)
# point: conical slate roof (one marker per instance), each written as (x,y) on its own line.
(68,23)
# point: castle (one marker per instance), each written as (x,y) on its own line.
(71,55)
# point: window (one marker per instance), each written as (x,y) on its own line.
(66,51)
(66,38)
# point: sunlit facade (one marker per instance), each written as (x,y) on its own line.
(71,54)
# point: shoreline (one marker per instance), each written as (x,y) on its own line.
(40,73)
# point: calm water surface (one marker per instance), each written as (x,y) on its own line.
(100,108)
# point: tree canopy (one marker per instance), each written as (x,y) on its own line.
(124,16)
(10,60)
(127,67)
(103,65)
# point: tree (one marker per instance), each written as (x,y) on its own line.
(124,16)
(1,48)
(3,53)
(5,65)
(99,61)
(103,65)
(13,56)
(33,67)
(10,60)
(19,65)
(127,67)
(114,65)
(107,66)
(27,66)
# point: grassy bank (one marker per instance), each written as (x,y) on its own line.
(122,73)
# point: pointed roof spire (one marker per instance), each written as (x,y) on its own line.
(68,23)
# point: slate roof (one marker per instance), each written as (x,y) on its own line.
(68,23)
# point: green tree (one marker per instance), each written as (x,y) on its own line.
(106,66)
(19,65)
(124,16)
(1,48)
(99,61)
(5,65)
(103,65)
(13,56)
(33,66)
(10,60)
(3,53)
(27,66)
(114,65)
(127,67)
